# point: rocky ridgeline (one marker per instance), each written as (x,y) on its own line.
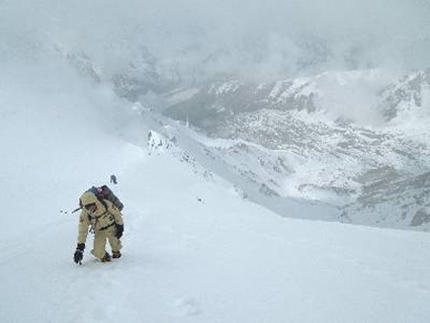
(380,176)
(406,95)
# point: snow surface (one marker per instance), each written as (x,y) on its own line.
(195,250)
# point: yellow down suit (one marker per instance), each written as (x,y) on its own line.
(102,221)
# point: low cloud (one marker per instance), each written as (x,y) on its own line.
(269,39)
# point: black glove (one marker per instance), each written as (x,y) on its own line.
(79,253)
(119,230)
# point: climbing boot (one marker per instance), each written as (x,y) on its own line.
(116,254)
(106,258)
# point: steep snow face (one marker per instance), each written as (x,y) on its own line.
(195,250)
(258,178)
(340,159)
(196,247)
(55,126)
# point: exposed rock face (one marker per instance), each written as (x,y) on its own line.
(375,176)
(407,94)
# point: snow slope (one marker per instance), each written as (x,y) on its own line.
(195,250)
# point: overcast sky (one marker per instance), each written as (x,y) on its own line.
(271,38)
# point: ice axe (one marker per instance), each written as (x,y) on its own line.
(70,212)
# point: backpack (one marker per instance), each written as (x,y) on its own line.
(104,193)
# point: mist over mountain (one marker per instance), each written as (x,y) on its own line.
(229,125)
(324,102)
(192,41)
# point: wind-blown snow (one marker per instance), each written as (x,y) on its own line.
(195,250)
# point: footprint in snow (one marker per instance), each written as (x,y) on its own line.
(186,307)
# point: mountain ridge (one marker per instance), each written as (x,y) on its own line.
(338,154)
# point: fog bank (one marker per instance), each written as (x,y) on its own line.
(196,39)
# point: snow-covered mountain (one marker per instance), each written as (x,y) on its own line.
(195,248)
(411,93)
(372,168)
(90,89)
(333,138)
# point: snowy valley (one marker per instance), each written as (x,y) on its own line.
(287,141)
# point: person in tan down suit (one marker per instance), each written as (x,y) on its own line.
(105,220)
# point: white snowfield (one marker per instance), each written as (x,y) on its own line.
(194,249)
(195,252)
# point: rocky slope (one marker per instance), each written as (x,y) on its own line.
(374,175)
